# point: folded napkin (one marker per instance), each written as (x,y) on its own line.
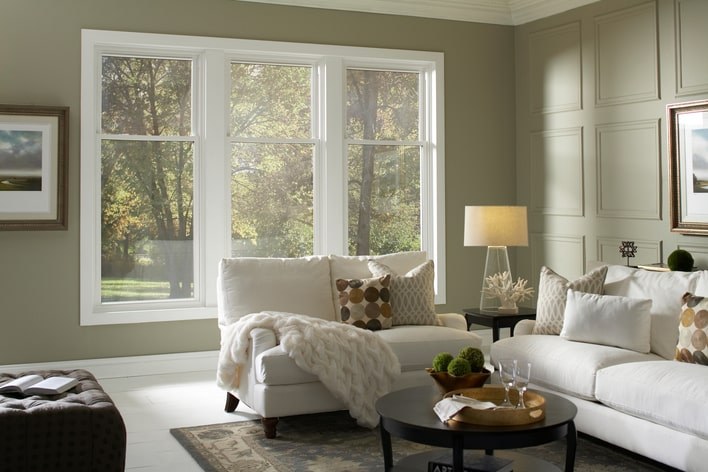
(449,407)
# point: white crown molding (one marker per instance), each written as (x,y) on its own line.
(525,11)
(501,12)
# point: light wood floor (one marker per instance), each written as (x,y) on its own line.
(152,405)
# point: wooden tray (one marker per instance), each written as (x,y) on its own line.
(535,407)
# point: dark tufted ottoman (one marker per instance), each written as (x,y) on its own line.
(79,430)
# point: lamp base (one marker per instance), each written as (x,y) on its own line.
(497,263)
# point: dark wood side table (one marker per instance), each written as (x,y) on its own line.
(496,320)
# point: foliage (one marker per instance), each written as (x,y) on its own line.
(459,367)
(474,356)
(680,260)
(147,184)
(441,361)
(149,157)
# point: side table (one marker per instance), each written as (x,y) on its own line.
(496,320)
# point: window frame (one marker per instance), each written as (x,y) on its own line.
(210,114)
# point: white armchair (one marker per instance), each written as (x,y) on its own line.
(269,381)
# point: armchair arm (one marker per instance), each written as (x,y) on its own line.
(262,339)
(453,320)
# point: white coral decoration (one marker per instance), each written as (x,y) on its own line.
(500,286)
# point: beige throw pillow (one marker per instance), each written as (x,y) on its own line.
(693,331)
(412,294)
(365,303)
(552,293)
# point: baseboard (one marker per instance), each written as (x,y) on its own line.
(129,366)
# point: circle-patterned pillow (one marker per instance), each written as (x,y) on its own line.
(693,331)
(365,302)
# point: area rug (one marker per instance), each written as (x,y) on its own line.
(332,442)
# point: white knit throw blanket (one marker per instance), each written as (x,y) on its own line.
(354,364)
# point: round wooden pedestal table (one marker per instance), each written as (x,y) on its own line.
(408,414)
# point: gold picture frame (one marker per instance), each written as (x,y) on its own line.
(34,143)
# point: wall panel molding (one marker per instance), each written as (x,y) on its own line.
(557,183)
(691,41)
(627,56)
(648,251)
(564,254)
(629,170)
(555,69)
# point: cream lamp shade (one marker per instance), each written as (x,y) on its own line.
(495,227)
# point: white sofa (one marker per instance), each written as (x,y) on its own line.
(647,403)
(270,381)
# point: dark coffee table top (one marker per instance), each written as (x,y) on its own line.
(408,413)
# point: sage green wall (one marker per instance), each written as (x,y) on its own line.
(592,86)
(40,43)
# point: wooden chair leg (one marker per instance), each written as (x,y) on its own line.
(231,402)
(269,425)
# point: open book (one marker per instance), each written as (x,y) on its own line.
(36,385)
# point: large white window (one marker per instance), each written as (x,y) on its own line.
(194,149)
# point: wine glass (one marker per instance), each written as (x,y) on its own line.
(521,381)
(507,374)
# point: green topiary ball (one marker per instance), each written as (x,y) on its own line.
(474,356)
(459,367)
(680,260)
(441,361)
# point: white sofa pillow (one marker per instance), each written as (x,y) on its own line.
(666,290)
(608,319)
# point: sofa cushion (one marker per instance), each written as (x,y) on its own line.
(672,394)
(665,289)
(412,294)
(365,302)
(415,346)
(693,331)
(563,365)
(253,284)
(275,367)
(552,292)
(357,267)
(610,320)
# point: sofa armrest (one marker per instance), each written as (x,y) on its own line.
(453,320)
(524,327)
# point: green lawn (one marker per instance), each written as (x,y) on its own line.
(127,290)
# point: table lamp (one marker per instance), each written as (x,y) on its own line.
(495,227)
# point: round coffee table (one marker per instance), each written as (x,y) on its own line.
(409,414)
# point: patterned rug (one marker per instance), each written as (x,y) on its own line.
(332,442)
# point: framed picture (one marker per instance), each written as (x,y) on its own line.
(34,144)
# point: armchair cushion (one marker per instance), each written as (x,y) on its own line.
(415,346)
(300,285)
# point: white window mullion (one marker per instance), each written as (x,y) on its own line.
(331,163)
(435,115)
(214,237)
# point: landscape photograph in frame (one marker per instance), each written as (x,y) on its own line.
(33,161)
